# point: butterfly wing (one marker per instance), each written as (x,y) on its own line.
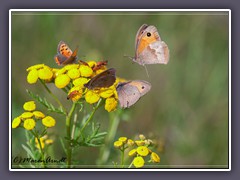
(59,59)
(142,86)
(72,58)
(130,92)
(139,35)
(155,53)
(104,79)
(150,49)
(127,95)
(64,54)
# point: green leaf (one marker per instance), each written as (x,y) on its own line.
(63,145)
(29,152)
(45,103)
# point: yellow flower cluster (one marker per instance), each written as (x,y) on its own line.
(73,77)
(43,141)
(39,71)
(29,118)
(139,149)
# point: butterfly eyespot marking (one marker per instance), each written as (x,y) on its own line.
(143,87)
(148,34)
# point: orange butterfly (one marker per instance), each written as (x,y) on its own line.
(65,55)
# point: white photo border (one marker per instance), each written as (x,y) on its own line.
(124,10)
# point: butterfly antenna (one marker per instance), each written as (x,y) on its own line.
(130,57)
(146,71)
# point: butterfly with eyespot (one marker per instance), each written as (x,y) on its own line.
(65,55)
(149,48)
(104,79)
(131,91)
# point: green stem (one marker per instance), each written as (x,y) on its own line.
(54,97)
(68,128)
(130,164)
(41,149)
(112,130)
(90,118)
(74,125)
(42,153)
(122,157)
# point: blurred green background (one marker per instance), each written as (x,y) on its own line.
(187,107)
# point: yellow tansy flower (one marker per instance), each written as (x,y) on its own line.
(37,66)
(16,122)
(75,93)
(130,142)
(54,71)
(115,93)
(48,141)
(80,81)
(155,158)
(38,114)
(73,73)
(118,144)
(119,80)
(41,142)
(32,76)
(85,71)
(26,115)
(48,121)
(45,73)
(92,63)
(140,143)
(60,71)
(100,70)
(29,106)
(133,152)
(91,97)
(29,124)
(142,150)
(148,142)
(111,104)
(62,81)
(71,66)
(138,162)
(123,139)
(142,137)
(106,92)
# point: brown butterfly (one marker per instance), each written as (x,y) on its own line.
(104,79)
(65,55)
